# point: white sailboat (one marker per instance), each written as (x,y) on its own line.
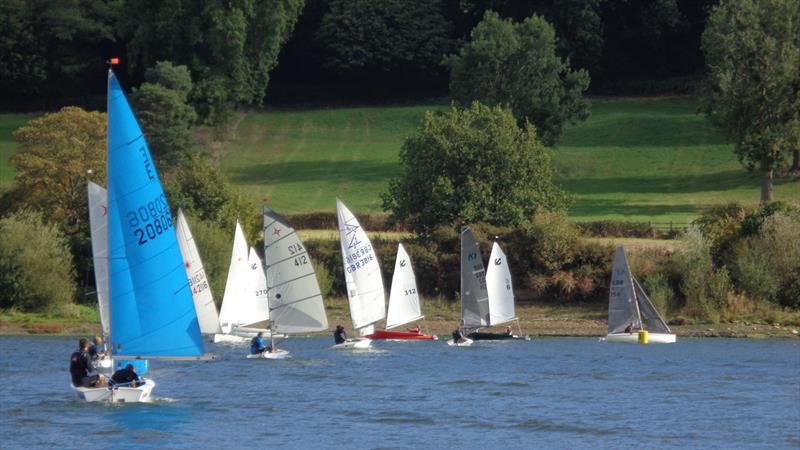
(630,310)
(152,314)
(244,303)
(404,302)
(295,299)
(98,229)
(198,281)
(363,276)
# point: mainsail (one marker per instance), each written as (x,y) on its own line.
(198,281)
(403,298)
(236,287)
(362,272)
(98,224)
(259,308)
(474,296)
(295,300)
(152,311)
(623,309)
(651,319)
(500,290)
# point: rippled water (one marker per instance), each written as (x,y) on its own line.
(546,393)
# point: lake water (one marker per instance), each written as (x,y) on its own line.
(546,393)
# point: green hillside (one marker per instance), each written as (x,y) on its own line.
(634,159)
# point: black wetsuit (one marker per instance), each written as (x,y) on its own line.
(457,337)
(124,376)
(340,337)
(80,368)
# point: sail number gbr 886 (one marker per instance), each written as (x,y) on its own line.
(150,220)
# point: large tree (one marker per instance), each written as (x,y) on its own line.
(473,165)
(516,64)
(229,46)
(752,50)
(364,37)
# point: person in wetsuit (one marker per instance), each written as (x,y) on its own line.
(126,376)
(81,369)
(340,336)
(457,336)
(257,344)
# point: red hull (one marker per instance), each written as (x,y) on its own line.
(400,336)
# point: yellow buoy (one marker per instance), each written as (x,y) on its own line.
(644,337)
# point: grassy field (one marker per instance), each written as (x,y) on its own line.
(634,159)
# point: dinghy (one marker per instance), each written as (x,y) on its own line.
(198,281)
(363,276)
(244,303)
(487,297)
(404,302)
(630,309)
(466,342)
(152,313)
(294,297)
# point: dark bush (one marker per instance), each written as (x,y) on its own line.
(617,228)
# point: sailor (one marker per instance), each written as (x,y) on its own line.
(340,336)
(508,331)
(414,330)
(457,336)
(81,369)
(257,344)
(126,376)
(629,328)
(94,351)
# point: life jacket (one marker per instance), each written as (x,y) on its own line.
(77,368)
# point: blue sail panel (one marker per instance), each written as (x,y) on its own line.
(152,312)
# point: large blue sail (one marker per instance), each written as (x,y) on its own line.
(152,311)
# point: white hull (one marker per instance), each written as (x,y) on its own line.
(276,354)
(228,339)
(139,394)
(465,343)
(633,338)
(353,344)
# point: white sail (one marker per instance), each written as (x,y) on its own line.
(259,308)
(623,309)
(474,297)
(98,224)
(500,290)
(362,272)
(237,287)
(198,281)
(295,300)
(403,298)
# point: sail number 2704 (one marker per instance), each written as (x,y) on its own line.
(150,220)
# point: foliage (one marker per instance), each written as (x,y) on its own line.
(753,276)
(46,46)
(515,64)
(660,292)
(163,112)
(472,165)
(229,47)
(752,49)
(554,240)
(55,153)
(363,37)
(36,270)
(618,228)
(694,267)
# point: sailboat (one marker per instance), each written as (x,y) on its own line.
(631,315)
(404,302)
(198,281)
(98,229)
(362,274)
(295,300)
(151,308)
(244,303)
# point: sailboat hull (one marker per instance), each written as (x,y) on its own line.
(140,394)
(353,344)
(388,335)
(478,336)
(633,338)
(275,354)
(465,343)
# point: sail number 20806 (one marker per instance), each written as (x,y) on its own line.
(150,221)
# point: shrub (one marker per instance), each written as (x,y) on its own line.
(754,274)
(618,228)
(36,268)
(694,266)
(214,245)
(660,292)
(324,278)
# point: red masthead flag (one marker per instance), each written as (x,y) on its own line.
(114,61)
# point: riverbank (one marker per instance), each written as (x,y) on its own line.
(441,317)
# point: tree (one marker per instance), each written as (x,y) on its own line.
(36,270)
(229,46)
(515,64)
(472,165)
(55,153)
(363,37)
(163,112)
(752,51)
